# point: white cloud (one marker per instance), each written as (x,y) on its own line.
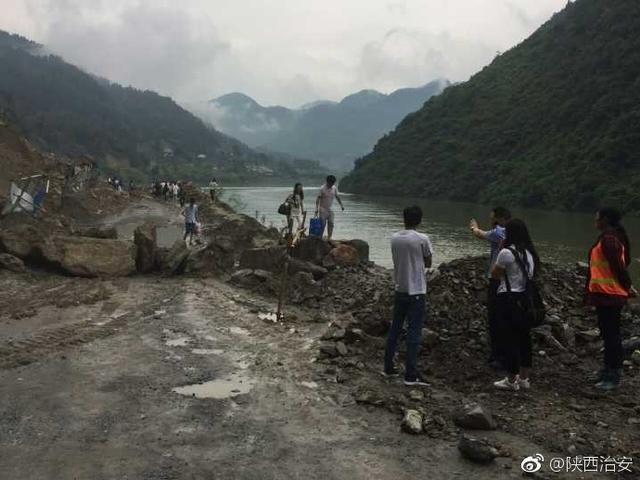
(284,51)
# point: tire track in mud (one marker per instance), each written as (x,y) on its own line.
(36,347)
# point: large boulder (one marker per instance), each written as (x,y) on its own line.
(343,256)
(11,263)
(241,231)
(361,246)
(311,249)
(175,260)
(24,241)
(90,257)
(270,259)
(215,258)
(146,242)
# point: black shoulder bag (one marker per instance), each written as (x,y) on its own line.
(285,207)
(531,303)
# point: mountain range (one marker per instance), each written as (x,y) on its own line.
(334,133)
(131,133)
(553,123)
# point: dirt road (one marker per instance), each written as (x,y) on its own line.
(98,399)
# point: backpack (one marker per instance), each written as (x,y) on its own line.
(531,305)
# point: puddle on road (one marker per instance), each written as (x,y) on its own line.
(207,351)
(177,342)
(167,235)
(224,388)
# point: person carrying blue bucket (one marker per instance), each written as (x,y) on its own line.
(328,192)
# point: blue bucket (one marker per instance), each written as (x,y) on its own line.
(315,227)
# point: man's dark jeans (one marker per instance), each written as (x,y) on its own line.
(410,307)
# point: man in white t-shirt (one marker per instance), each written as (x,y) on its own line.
(327,193)
(412,252)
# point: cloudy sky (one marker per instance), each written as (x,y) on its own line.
(286,52)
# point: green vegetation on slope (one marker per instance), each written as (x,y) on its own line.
(554,122)
(134,133)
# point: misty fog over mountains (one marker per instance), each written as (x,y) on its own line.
(334,133)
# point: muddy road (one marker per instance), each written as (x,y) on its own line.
(93,394)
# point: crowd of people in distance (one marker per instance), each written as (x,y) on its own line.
(514,266)
(170,191)
(174,191)
(119,186)
(116,183)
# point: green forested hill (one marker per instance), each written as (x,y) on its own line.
(554,122)
(133,133)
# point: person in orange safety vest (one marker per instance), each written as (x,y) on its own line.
(608,288)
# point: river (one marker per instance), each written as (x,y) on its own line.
(560,237)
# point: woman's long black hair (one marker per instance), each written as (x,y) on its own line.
(517,236)
(613,218)
(295,188)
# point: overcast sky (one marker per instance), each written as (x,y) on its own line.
(286,52)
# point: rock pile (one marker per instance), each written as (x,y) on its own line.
(310,262)
(55,242)
(562,407)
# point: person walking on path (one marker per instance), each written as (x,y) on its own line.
(165,190)
(213,187)
(608,288)
(176,191)
(190,220)
(182,195)
(516,264)
(499,217)
(297,213)
(412,252)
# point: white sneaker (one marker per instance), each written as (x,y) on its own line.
(505,384)
(524,383)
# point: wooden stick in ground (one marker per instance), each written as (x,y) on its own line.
(283,287)
(291,243)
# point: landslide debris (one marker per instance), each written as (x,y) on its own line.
(562,410)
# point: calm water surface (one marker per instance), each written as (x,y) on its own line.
(559,236)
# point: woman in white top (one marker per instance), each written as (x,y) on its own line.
(517,262)
(297,213)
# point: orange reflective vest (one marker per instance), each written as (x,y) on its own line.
(602,279)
